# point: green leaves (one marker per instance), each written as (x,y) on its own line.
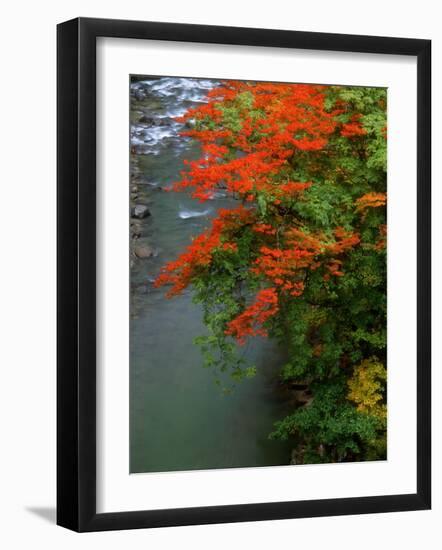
(325,205)
(329,429)
(262,204)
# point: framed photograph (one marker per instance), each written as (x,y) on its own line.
(243,274)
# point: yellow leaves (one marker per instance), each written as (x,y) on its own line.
(366,390)
(367,386)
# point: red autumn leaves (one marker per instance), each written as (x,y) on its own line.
(250,322)
(253,161)
(279,120)
(371,200)
(199,253)
(353,128)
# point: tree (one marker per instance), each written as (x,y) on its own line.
(302,258)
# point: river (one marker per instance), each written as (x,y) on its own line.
(179,418)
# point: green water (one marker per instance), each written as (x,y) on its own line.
(179,418)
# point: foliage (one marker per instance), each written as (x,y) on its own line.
(302,258)
(367,387)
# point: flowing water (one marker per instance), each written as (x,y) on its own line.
(179,418)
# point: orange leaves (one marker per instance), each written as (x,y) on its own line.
(215,150)
(344,241)
(353,128)
(335,268)
(199,253)
(264,228)
(382,241)
(250,321)
(230,247)
(291,188)
(179,273)
(276,122)
(285,267)
(371,200)
(305,144)
(313,243)
(206,136)
(209,110)
(240,176)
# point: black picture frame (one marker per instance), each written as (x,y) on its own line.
(76,274)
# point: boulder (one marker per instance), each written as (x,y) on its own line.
(140,211)
(143,251)
(146,120)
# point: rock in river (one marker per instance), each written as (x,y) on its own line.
(143,251)
(140,211)
(147,120)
